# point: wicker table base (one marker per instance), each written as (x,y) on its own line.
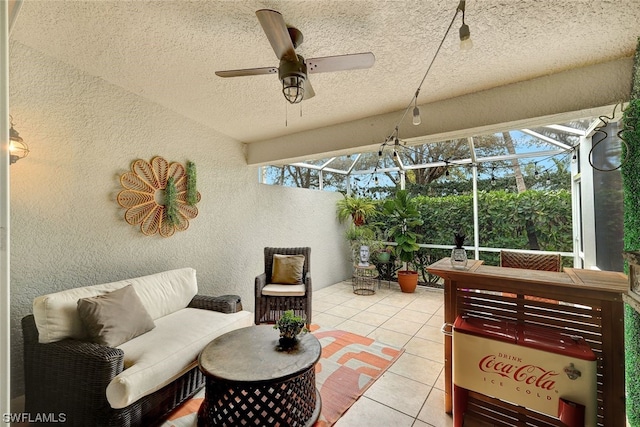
(250,381)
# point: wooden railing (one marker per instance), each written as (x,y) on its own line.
(574,302)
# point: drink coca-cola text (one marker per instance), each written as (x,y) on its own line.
(531,375)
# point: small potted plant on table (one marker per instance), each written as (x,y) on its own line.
(290,326)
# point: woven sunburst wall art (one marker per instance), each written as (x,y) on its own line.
(160,196)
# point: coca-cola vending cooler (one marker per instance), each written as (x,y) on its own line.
(530,366)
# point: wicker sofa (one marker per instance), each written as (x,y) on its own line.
(138,382)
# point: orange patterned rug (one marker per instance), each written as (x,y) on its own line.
(348,366)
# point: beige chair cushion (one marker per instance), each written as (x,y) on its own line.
(287,269)
(115,317)
(278,290)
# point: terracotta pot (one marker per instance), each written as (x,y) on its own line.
(408,280)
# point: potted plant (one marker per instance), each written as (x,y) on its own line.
(356,208)
(357,236)
(290,326)
(363,236)
(403,216)
(384,253)
(458,254)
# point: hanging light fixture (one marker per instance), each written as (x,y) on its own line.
(465,34)
(396,146)
(18,149)
(292,74)
(293,89)
(416,111)
(464,37)
(416,115)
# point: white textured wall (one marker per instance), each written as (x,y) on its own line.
(67,229)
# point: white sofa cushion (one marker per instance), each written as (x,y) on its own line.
(158,357)
(56,314)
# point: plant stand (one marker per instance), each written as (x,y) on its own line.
(386,271)
(364,280)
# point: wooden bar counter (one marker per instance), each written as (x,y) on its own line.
(580,302)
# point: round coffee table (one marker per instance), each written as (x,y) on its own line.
(251,381)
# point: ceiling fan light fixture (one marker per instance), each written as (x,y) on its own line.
(293,88)
(293,75)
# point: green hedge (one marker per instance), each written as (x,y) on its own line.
(631,189)
(506,220)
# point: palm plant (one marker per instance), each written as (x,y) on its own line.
(356,208)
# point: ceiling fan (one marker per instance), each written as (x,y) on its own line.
(293,69)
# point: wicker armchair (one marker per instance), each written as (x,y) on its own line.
(269,308)
(70,377)
(529,261)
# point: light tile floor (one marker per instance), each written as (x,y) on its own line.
(411,392)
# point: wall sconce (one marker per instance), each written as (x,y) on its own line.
(18,149)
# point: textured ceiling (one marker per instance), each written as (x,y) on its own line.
(167,51)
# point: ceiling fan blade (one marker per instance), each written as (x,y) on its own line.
(277,33)
(247,72)
(352,61)
(308,89)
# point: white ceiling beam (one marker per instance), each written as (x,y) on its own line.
(558,98)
